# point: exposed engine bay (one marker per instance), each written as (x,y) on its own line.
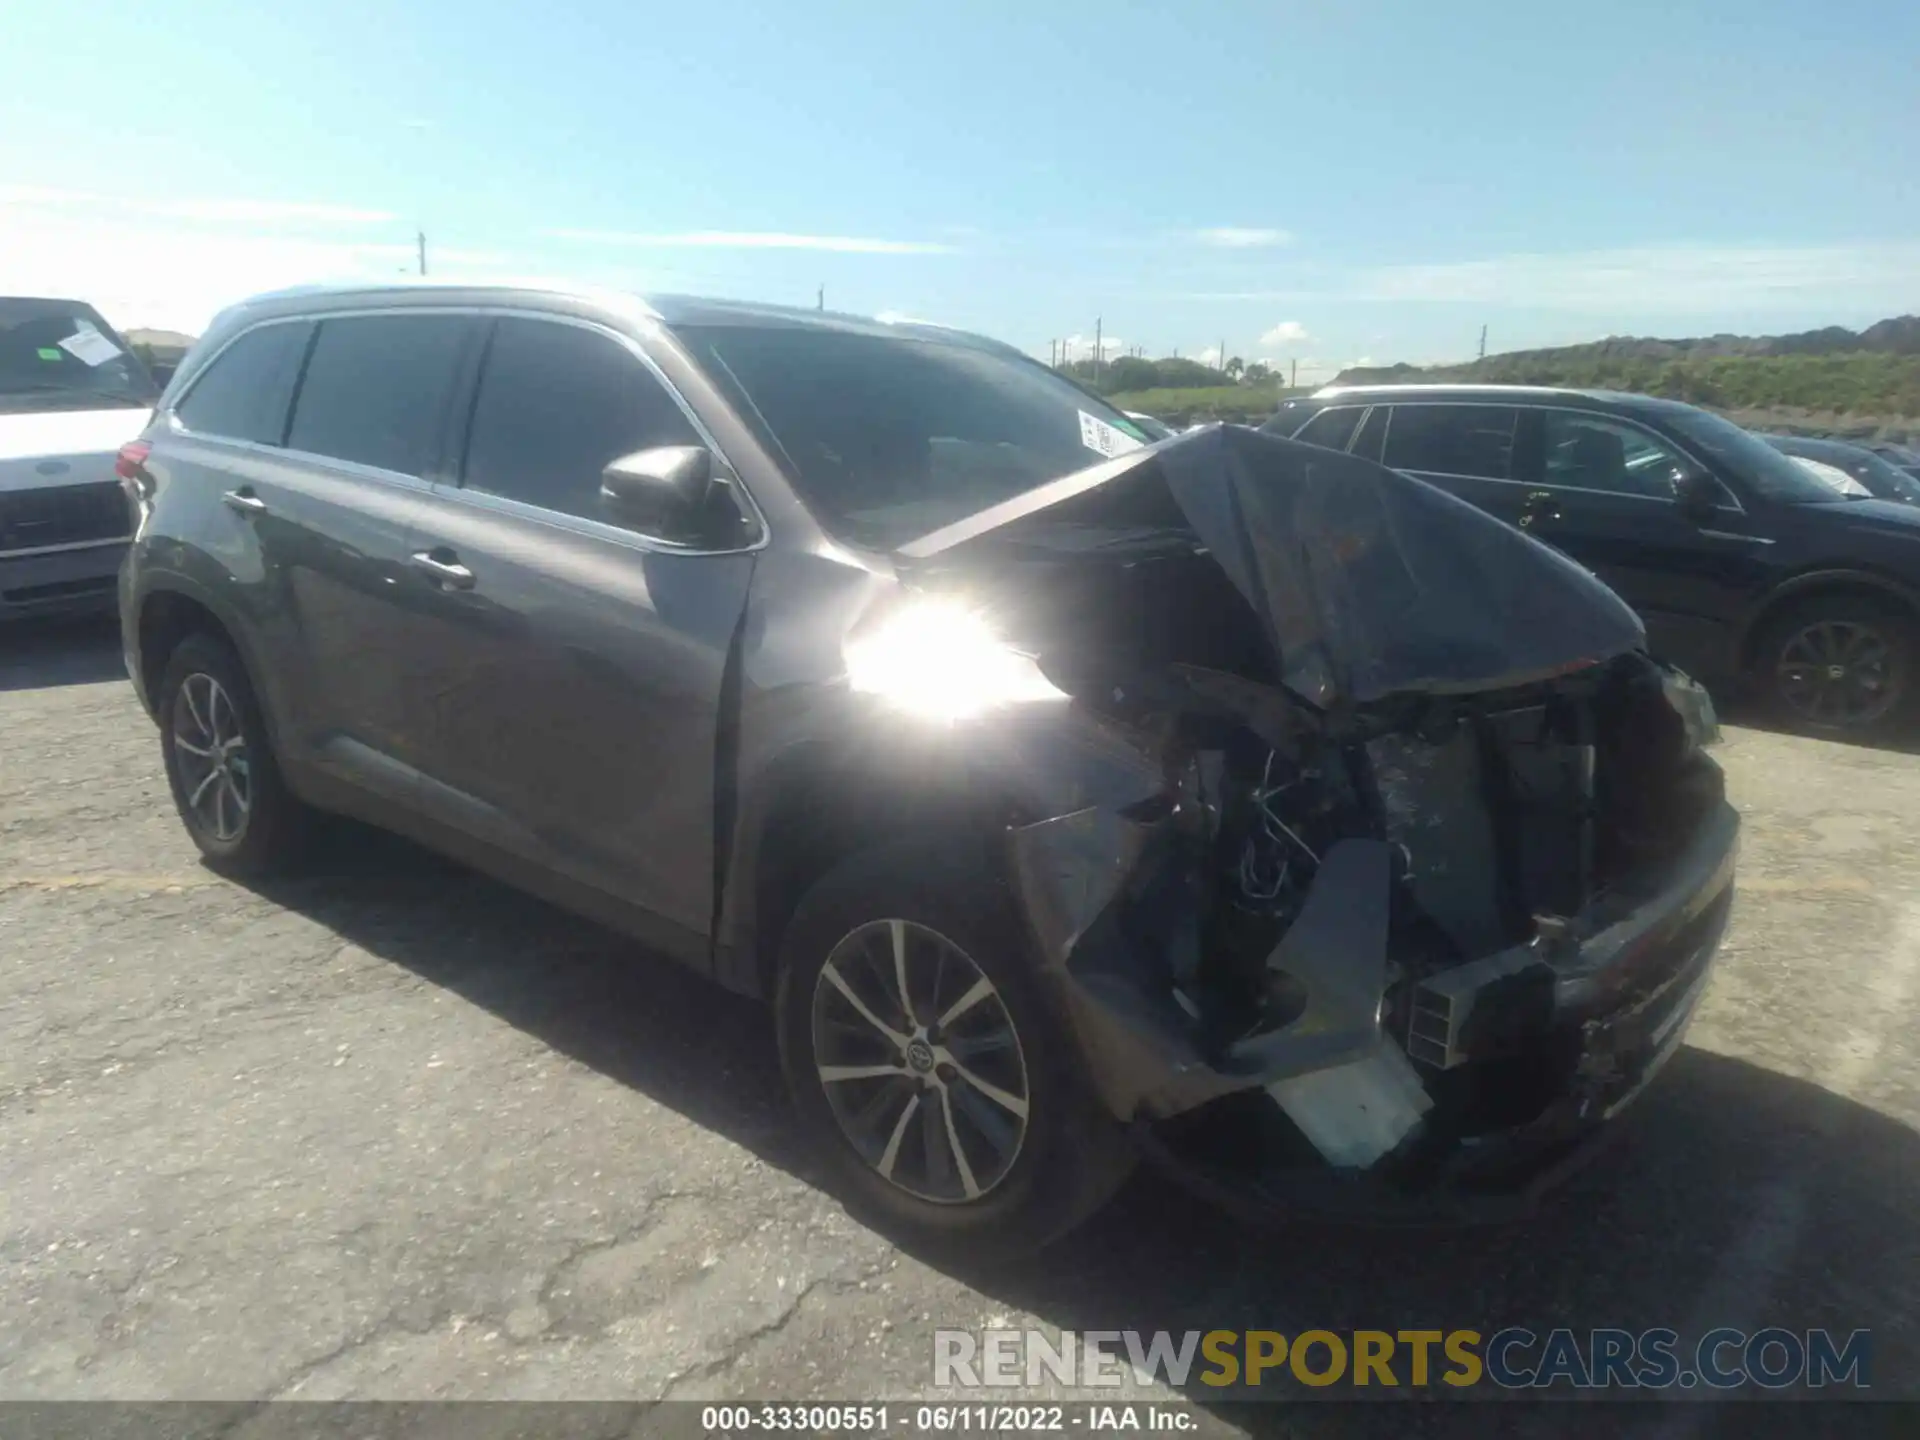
(1374,922)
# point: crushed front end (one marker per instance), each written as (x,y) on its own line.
(1402,965)
(1435,865)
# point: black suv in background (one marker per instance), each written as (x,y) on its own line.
(1746,569)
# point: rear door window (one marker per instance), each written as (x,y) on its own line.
(243,394)
(1470,440)
(1333,428)
(376,389)
(556,404)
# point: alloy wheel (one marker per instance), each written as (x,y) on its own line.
(1841,673)
(210,756)
(920,1061)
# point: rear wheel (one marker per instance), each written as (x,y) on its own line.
(925,1065)
(1840,665)
(220,765)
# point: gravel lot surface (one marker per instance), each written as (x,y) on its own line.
(392,1130)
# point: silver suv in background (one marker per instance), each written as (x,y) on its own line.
(71,392)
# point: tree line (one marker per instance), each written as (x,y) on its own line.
(1129,374)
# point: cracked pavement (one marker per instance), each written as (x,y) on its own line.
(391,1130)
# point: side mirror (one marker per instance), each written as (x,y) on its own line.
(663,491)
(1696,492)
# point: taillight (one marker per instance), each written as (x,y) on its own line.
(130,463)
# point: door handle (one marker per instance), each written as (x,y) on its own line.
(245,501)
(448,571)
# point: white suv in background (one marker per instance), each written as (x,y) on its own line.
(71,393)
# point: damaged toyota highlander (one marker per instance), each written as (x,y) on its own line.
(1225,800)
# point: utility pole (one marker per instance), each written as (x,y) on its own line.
(420,239)
(820,300)
(1293,373)
(1222,366)
(1483,343)
(1098,345)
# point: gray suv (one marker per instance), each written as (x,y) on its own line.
(1071,798)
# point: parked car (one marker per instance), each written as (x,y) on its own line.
(1834,478)
(1869,473)
(1748,570)
(1069,799)
(1903,457)
(70,393)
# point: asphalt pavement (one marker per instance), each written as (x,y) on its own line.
(391,1130)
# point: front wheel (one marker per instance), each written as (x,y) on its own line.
(1839,665)
(926,1067)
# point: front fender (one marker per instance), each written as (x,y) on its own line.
(846,769)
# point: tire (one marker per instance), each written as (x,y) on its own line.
(242,816)
(1069,1157)
(1840,666)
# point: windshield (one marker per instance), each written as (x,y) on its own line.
(57,355)
(1751,459)
(888,438)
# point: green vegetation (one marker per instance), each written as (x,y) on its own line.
(1242,403)
(1872,373)
(1181,391)
(1856,384)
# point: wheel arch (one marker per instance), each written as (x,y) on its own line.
(166,615)
(822,806)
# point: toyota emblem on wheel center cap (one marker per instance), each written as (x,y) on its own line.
(920,1056)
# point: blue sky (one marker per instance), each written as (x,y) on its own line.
(1311,182)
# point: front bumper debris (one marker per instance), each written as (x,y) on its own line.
(1583,1019)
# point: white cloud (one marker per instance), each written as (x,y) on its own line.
(756,240)
(1653,277)
(1287,332)
(1681,279)
(175,276)
(1240,237)
(253,211)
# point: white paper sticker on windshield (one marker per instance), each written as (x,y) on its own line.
(89,345)
(1104,439)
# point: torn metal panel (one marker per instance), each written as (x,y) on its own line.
(1356,1113)
(1336,951)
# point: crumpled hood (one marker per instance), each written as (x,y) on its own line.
(1368,582)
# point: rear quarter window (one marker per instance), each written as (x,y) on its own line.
(1333,428)
(244,393)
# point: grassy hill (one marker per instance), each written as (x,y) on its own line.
(1832,379)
